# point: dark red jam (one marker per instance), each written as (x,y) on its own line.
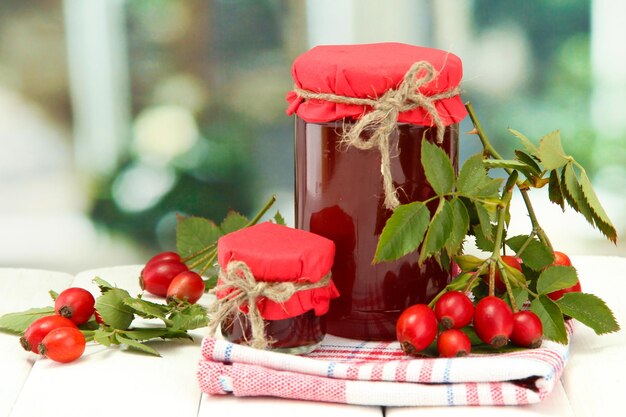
(339,195)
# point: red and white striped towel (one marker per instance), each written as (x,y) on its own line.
(379,373)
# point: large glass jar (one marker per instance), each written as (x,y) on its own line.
(340,194)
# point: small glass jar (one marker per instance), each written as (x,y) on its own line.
(277,255)
(339,191)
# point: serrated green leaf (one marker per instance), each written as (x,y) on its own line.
(210,283)
(482,242)
(194,234)
(484,220)
(574,194)
(554,190)
(599,215)
(103,336)
(437,167)
(590,310)
(191,317)
(138,346)
(507,163)
(532,164)
(279,219)
(551,318)
(146,309)
(472,175)
(460,226)
(551,152)
(556,278)
(536,255)
(102,284)
(438,231)
(460,282)
(113,310)
(515,277)
(17,323)
(468,263)
(489,188)
(403,232)
(233,222)
(527,143)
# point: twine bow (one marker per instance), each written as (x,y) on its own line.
(383,119)
(246,290)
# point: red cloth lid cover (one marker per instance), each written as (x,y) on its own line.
(277,253)
(368,71)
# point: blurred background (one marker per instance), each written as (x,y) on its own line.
(116,115)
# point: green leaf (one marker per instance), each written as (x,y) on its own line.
(574,194)
(153,333)
(146,309)
(403,232)
(102,284)
(438,231)
(191,317)
(484,221)
(516,278)
(473,336)
(551,152)
(138,346)
(103,337)
(53,294)
(468,263)
(599,215)
(507,163)
(489,188)
(527,143)
(482,242)
(460,226)
(556,278)
(551,318)
(279,219)
(438,168)
(210,283)
(194,234)
(113,310)
(18,322)
(472,175)
(233,222)
(460,282)
(590,310)
(536,255)
(554,190)
(533,166)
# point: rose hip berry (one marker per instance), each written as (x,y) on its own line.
(164,256)
(76,304)
(187,286)
(453,343)
(561,259)
(454,310)
(527,329)
(416,328)
(493,321)
(38,329)
(157,277)
(64,344)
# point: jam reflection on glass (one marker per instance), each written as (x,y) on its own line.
(304,330)
(339,195)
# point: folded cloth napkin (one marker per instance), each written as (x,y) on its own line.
(379,373)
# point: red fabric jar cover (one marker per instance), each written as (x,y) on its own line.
(276,253)
(368,71)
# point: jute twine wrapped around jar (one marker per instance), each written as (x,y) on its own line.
(382,120)
(242,289)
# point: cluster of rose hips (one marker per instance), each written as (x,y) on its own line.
(58,336)
(491,318)
(166,275)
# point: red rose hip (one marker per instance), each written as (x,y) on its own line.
(157,277)
(76,304)
(64,344)
(40,328)
(454,310)
(164,256)
(453,343)
(416,328)
(187,286)
(527,329)
(493,321)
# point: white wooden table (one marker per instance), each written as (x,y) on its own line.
(106,381)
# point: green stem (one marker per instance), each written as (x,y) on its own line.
(209,263)
(507,284)
(195,255)
(475,276)
(490,150)
(201,260)
(525,245)
(263,210)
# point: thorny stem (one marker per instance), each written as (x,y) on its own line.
(490,150)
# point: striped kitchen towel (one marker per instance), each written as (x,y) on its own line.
(379,373)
